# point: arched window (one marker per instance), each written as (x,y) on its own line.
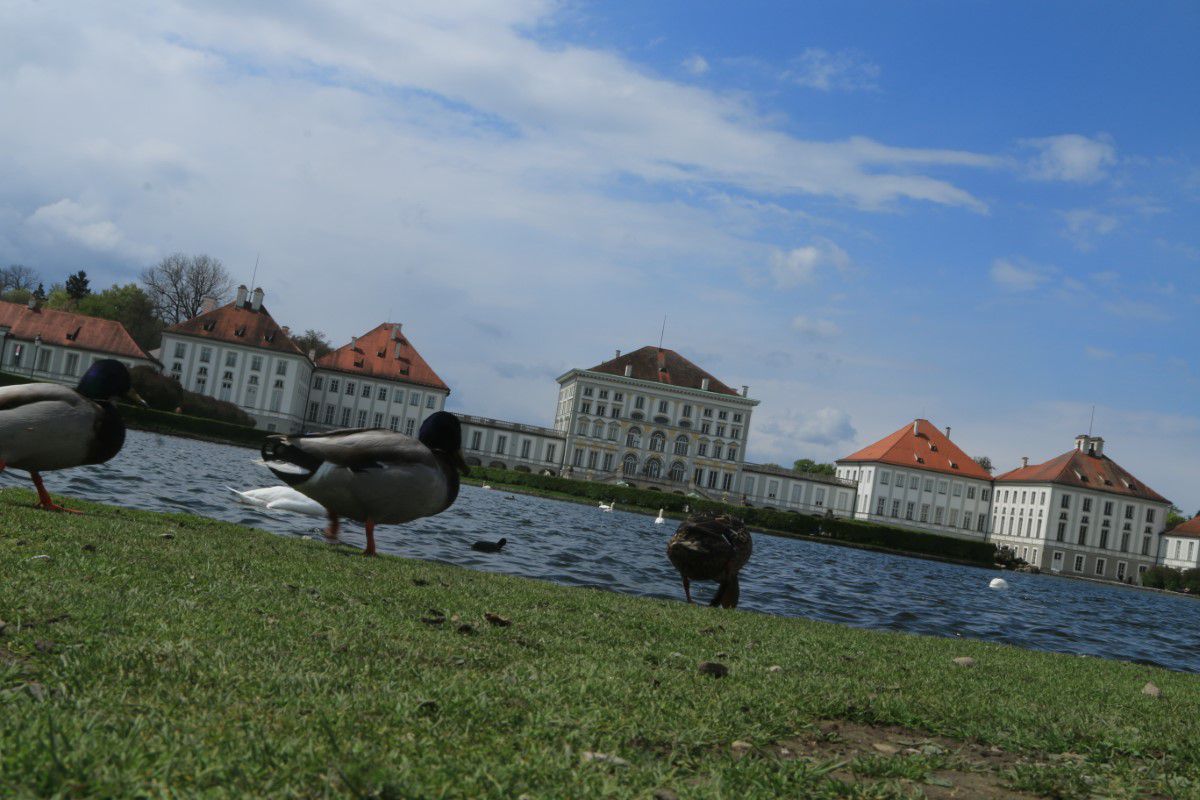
(629,464)
(658,442)
(581,427)
(716,451)
(633,438)
(614,431)
(597,430)
(653,468)
(732,453)
(677,472)
(681,445)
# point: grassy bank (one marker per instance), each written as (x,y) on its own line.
(154,654)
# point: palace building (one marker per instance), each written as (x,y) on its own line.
(918,478)
(1181,546)
(48,344)
(1080,514)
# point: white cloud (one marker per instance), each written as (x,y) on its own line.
(1070,157)
(820,69)
(801,265)
(825,427)
(81,225)
(695,64)
(1017,275)
(1085,226)
(816,328)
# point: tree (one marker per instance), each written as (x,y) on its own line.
(77,286)
(18,277)
(984,462)
(179,284)
(131,307)
(808,465)
(1175,517)
(314,340)
(40,292)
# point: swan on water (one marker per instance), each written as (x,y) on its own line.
(998,583)
(607,506)
(659,520)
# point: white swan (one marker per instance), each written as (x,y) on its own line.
(998,583)
(659,520)
(607,506)
(279,498)
(485,486)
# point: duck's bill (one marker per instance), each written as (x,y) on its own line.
(460,464)
(135,397)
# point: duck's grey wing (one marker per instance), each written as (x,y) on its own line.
(362,448)
(45,426)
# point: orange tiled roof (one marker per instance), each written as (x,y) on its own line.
(1190,529)
(240,324)
(663,366)
(1084,471)
(377,354)
(925,449)
(69,329)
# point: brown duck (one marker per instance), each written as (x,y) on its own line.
(710,547)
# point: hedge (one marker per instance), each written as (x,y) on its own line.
(845,530)
(1172,579)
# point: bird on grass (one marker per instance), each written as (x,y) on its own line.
(372,475)
(45,426)
(489,547)
(711,547)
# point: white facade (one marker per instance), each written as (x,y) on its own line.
(41,361)
(767,486)
(343,400)
(512,445)
(651,434)
(927,500)
(1181,551)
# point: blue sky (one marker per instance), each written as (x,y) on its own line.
(980,213)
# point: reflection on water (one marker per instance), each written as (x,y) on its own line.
(580,546)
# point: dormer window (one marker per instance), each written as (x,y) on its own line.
(208,326)
(270,337)
(933,447)
(241,331)
(73,335)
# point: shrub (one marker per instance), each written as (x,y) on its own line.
(164,393)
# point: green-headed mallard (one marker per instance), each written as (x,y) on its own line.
(45,426)
(372,475)
(710,547)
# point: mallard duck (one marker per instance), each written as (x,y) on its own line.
(45,426)
(484,546)
(711,548)
(372,475)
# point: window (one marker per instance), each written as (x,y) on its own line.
(1125,542)
(941,487)
(318,383)
(585,408)
(658,442)
(982,523)
(205,355)
(226,385)
(333,385)
(937,515)
(895,508)
(820,498)
(716,450)
(550,452)
(884,479)
(281,368)
(722,414)
(1087,505)
(1120,570)
(970,492)
(329,415)
(394,423)
(985,495)
(954,518)
(681,445)
(349,388)
(929,484)
(1062,532)
(727,481)
(398,396)
(1146,546)
(639,402)
(179,350)
(345,418)
(1128,512)
(712,479)
(476,439)
(587,391)
(313,410)
(1078,566)
(72,366)
(737,417)
(614,431)
(601,410)
(581,427)
(629,464)
(1150,515)
(1083,534)
(721,430)
(382,393)
(378,420)
(525,445)
(1099,566)
(908,511)
(618,397)
(732,453)
(707,412)
(201,379)
(676,473)
(597,429)
(231,359)
(256,363)
(957,491)
(914,482)
(662,406)
(686,411)
(577,459)
(1066,501)
(706,428)
(410,426)
(633,438)
(702,449)
(880,506)
(924,512)
(414,399)
(966,520)
(501,444)
(366,390)
(592,456)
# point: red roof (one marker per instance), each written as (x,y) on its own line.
(663,366)
(69,329)
(921,445)
(1190,529)
(384,352)
(1084,471)
(239,324)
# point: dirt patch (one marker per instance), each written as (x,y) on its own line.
(938,767)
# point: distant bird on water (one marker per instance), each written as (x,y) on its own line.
(489,547)
(607,506)
(998,583)
(372,475)
(45,426)
(710,547)
(660,519)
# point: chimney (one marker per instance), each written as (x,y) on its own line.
(397,349)
(947,431)
(618,354)
(208,304)
(353,342)
(704,384)
(628,370)
(1024,461)
(286,330)
(396,332)
(241,296)
(916,427)
(745,390)
(33,302)
(312,355)
(256,302)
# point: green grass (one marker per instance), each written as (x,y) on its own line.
(227,662)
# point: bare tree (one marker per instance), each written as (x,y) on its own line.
(178,285)
(984,462)
(18,276)
(314,341)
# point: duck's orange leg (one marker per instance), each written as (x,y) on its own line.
(334,528)
(370,526)
(44,500)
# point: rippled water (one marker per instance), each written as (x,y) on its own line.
(581,546)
